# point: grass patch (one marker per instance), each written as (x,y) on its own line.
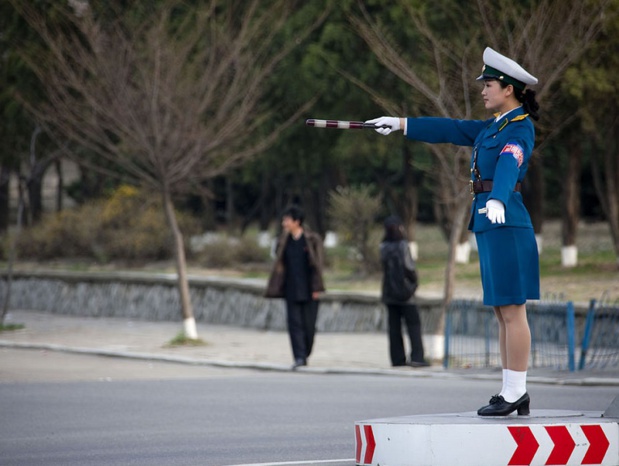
(11,327)
(181,340)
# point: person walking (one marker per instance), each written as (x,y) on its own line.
(398,293)
(508,255)
(297,277)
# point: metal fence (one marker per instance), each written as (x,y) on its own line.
(471,335)
(600,342)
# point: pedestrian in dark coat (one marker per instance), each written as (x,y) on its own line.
(297,277)
(398,293)
(508,256)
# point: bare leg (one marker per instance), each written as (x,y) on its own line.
(502,348)
(515,346)
(517,337)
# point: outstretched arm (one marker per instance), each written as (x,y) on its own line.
(432,129)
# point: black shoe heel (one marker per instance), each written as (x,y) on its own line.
(499,407)
(523,409)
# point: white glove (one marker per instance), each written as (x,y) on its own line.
(495,211)
(393,124)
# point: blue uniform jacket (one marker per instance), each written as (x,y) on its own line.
(503,152)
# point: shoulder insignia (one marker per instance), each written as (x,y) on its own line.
(520,117)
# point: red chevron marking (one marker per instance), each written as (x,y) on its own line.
(526,445)
(598,444)
(358,445)
(564,445)
(371,444)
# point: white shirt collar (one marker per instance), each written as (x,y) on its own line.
(506,113)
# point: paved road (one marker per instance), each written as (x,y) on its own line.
(77,409)
(232,402)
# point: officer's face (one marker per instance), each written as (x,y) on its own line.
(495,97)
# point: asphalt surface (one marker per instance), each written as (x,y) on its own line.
(240,348)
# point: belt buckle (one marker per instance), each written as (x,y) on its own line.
(471,188)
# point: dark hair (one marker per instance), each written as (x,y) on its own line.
(526,98)
(394,230)
(294,212)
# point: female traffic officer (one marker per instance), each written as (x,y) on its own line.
(508,256)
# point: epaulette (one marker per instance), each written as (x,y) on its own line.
(520,117)
(506,121)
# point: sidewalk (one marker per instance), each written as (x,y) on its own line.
(353,353)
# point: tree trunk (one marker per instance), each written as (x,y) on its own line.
(533,196)
(571,205)
(607,183)
(60,187)
(611,170)
(35,196)
(454,240)
(12,255)
(460,217)
(266,204)
(410,206)
(5,182)
(230,214)
(189,322)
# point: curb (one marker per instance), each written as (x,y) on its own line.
(418,373)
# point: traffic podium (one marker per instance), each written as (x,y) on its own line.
(545,437)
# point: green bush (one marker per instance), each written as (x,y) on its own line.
(227,252)
(68,234)
(353,212)
(248,251)
(129,225)
(218,254)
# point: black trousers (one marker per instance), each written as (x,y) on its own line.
(301,318)
(410,314)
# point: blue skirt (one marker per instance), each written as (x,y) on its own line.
(509,264)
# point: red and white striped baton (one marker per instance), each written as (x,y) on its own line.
(339,124)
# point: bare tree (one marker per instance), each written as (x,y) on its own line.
(171,100)
(545,36)
(605,164)
(22,187)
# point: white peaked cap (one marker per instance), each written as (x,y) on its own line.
(497,66)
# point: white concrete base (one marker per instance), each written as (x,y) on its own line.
(189,328)
(264,239)
(473,242)
(463,253)
(331,239)
(569,256)
(434,346)
(466,439)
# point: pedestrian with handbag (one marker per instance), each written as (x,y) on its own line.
(398,293)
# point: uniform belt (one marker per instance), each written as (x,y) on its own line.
(484,186)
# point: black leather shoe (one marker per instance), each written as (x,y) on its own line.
(494,399)
(499,407)
(419,364)
(299,363)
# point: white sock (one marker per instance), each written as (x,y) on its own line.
(504,382)
(515,385)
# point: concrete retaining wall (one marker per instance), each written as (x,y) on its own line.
(217,301)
